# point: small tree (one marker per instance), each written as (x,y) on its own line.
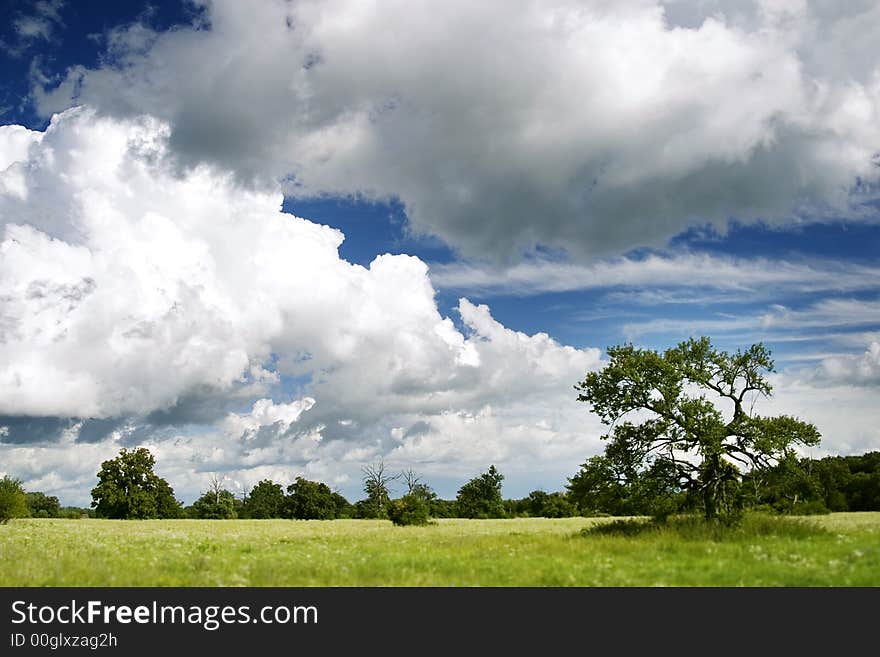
(266,500)
(409,510)
(310,500)
(416,487)
(216,503)
(414,507)
(13,500)
(673,434)
(128,488)
(376,483)
(481,496)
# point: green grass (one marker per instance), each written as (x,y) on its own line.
(835,550)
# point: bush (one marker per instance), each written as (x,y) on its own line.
(622,527)
(752,526)
(13,500)
(408,510)
(214,505)
(809,508)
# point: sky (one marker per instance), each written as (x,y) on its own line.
(279,239)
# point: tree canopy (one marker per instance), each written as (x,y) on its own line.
(128,488)
(310,500)
(266,500)
(682,420)
(13,500)
(481,496)
(41,505)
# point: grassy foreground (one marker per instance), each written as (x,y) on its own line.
(838,550)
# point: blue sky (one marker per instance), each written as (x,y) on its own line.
(718,179)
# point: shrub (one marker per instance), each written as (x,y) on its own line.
(408,510)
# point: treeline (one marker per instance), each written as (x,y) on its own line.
(834,483)
(314,500)
(129,489)
(15,502)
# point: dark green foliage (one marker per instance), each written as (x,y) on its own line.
(344,508)
(214,505)
(414,508)
(13,500)
(411,509)
(266,500)
(611,485)
(167,506)
(644,459)
(311,500)
(805,486)
(627,527)
(418,489)
(520,508)
(128,488)
(557,505)
(41,505)
(481,496)
(602,486)
(751,527)
(438,508)
(76,513)
(540,504)
(850,483)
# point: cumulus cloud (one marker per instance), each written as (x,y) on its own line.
(862,369)
(593,127)
(145,305)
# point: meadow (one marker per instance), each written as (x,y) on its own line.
(841,549)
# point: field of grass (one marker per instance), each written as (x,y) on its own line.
(837,550)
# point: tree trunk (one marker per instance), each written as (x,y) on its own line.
(710,487)
(709,501)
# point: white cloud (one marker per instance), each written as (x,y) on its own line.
(759,277)
(862,369)
(131,291)
(590,126)
(785,323)
(38,23)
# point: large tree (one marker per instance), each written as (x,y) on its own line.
(310,500)
(686,415)
(128,488)
(481,496)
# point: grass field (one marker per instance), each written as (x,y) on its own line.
(837,550)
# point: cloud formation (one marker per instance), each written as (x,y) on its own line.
(757,276)
(142,304)
(862,369)
(594,127)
